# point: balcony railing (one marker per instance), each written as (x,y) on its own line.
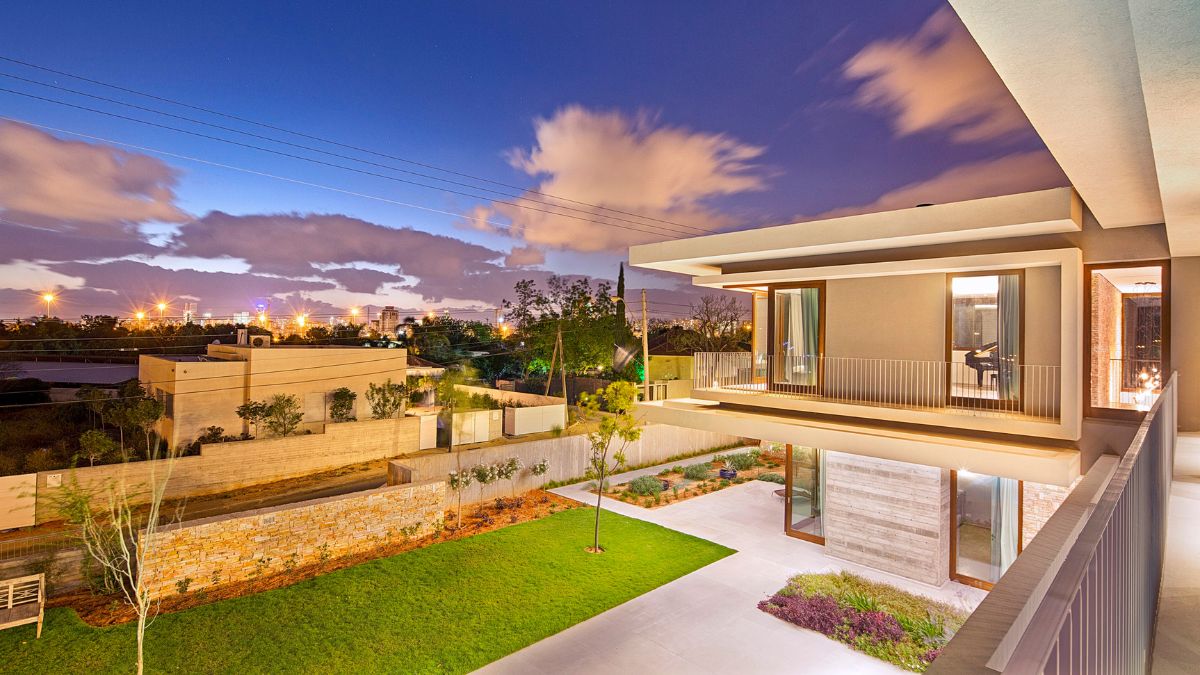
(997,389)
(1083,596)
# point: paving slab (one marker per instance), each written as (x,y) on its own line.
(708,621)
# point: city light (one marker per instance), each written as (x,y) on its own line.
(353,311)
(162,307)
(49,298)
(262,318)
(141,316)
(300,319)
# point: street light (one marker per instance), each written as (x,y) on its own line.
(140,316)
(49,298)
(300,319)
(162,307)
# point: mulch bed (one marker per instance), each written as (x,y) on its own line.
(109,610)
(682,488)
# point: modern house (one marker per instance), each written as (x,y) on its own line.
(203,391)
(943,375)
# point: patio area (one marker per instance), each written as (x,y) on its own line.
(707,621)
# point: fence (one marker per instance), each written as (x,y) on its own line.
(983,389)
(1082,597)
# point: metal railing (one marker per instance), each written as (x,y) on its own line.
(32,546)
(1006,389)
(1083,596)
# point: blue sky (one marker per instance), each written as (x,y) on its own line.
(707,114)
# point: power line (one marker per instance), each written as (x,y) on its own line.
(250,146)
(330,142)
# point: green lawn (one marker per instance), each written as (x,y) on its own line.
(451,607)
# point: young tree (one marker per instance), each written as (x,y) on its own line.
(508,470)
(253,413)
(540,469)
(386,399)
(341,404)
(144,413)
(95,400)
(95,446)
(459,481)
(621,426)
(716,326)
(484,474)
(283,415)
(120,536)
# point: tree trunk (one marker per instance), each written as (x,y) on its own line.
(599,497)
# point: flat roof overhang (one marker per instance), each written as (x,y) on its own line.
(1034,463)
(1031,213)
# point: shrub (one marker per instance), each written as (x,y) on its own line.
(697,471)
(341,404)
(861,601)
(819,612)
(773,478)
(211,435)
(645,485)
(741,461)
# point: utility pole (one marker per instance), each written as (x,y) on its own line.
(562,360)
(553,356)
(645,350)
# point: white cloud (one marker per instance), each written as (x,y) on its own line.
(613,161)
(1017,172)
(524,256)
(76,185)
(937,79)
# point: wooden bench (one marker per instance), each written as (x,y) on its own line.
(22,601)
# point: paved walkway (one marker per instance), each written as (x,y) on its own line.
(707,621)
(1177,641)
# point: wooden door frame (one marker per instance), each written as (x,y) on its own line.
(962,578)
(950,277)
(772,335)
(787,501)
(1165,282)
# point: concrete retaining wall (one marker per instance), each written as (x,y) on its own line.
(227,466)
(891,516)
(512,397)
(241,546)
(568,457)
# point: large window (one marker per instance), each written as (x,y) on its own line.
(805,493)
(797,336)
(984,350)
(985,526)
(1128,317)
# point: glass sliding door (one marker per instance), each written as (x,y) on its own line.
(797,329)
(805,493)
(1127,328)
(985,339)
(986,523)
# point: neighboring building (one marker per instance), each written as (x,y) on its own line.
(189,312)
(941,376)
(241,318)
(389,319)
(204,391)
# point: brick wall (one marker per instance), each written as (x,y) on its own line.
(1106,318)
(228,466)
(241,546)
(1039,503)
(891,516)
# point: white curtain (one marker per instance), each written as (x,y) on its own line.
(1006,523)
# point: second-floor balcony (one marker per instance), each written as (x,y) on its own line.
(981,389)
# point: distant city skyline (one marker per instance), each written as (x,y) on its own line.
(565,141)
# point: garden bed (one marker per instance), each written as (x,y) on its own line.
(901,628)
(686,481)
(108,610)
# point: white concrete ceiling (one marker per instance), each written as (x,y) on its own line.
(1111,87)
(1167,35)
(1029,213)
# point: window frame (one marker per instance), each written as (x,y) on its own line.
(1088,268)
(980,402)
(773,336)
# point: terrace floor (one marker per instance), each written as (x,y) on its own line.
(708,621)
(1176,647)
